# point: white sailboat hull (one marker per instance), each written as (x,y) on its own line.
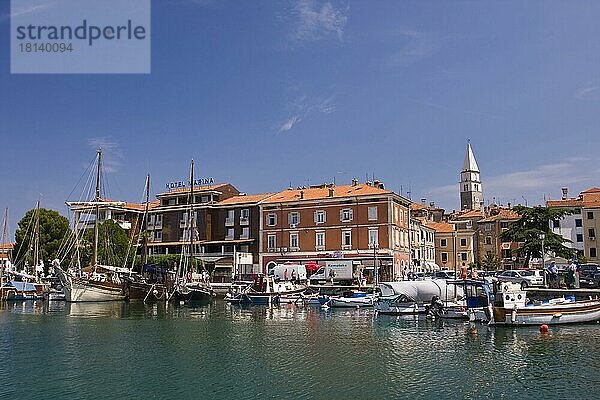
(82,292)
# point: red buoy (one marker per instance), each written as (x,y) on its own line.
(544,328)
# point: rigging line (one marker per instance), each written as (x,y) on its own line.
(82,175)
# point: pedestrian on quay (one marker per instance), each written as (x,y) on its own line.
(571,280)
(285,275)
(463,271)
(293,275)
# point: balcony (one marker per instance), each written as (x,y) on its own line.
(243,221)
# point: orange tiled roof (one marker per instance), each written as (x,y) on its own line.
(503,213)
(417,206)
(196,188)
(565,203)
(442,227)
(7,246)
(591,190)
(141,206)
(470,214)
(245,199)
(323,193)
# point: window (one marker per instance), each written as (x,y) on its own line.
(463,242)
(488,240)
(245,213)
(590,215)
(320,240)
(346,215)
(463,256)
(271,241)
(230,233)
(577,211)
(488,226)
(373,237)
(158,236)
(465,188)
(443,242)
(320,217)
(504,225)
(506,253)
(578,222)
(580,237)
(230,216)
(204,199)
(556,223)
(444,257)
(373,213)
(271,219)
(245,233)
(592,233)
(592,252)
(346,239)
(293,240)
(294,218)
(172,202)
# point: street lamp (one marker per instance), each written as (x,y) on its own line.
(542,238)
(375,247)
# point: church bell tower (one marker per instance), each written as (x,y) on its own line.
(471,194)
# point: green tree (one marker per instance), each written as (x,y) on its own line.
(526,231)
(53,230)
(491,262)
(114,246)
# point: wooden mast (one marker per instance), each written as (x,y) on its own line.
(97,207)
(145,227)
(192,219)
(36,239)
(4,247)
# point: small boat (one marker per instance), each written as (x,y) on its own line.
(267,291)
(26,291)
(350,299)
(415,297)
(512,306)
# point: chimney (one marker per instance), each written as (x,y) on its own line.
(354,182)
(565,192)
(432,204)
(302,194)
(330,192)
(423,201)
(368,183)
(376,183)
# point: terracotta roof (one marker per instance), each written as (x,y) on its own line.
(470,214)
(196,188)
(323,193)
(142,206)
(503,214)
(591,190)
(442,227)
(417,206)
(7,246)
(245,199)
(565,203)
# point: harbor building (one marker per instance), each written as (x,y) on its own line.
(362,222)
(453,247)
(422,246)
(490,241)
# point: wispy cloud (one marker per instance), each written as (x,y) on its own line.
(26,9)
(305,106)
(412,46)
(587,93)
(318,20)
(111,152)
(534,184)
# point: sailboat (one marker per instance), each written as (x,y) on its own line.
(6,291)
(102,282)
(27,282)
(190,286)
(153,287)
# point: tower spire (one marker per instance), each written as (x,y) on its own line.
(471,195)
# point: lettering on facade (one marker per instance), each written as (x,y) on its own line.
(183,184)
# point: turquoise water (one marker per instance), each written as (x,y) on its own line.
(136,351)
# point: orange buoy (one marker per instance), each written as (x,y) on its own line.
(473,330)
(544,328)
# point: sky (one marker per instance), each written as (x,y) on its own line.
(265,94)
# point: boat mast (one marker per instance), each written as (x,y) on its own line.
(145,227)
(97,206)
(36,238)
(192,219)
(4,247)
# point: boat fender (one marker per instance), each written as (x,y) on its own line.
(513,315)
(557,315)
(544,329)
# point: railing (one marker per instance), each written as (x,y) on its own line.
(229,222)
(244,221)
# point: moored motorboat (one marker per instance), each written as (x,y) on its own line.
(350,299)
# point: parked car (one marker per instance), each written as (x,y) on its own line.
(444,274)
(589,275)
(525,277)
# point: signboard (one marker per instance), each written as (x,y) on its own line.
(243,258)
(183,184)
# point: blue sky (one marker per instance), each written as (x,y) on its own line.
(266,93)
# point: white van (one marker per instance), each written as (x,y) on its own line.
(279,271)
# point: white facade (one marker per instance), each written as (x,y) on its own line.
(571,228)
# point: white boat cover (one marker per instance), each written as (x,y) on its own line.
(421,291)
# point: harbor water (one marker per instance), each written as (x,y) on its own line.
(135,351)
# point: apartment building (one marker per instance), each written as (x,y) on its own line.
(571,227)
(453,247)
(362,222)
(489,232)
(422,246)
